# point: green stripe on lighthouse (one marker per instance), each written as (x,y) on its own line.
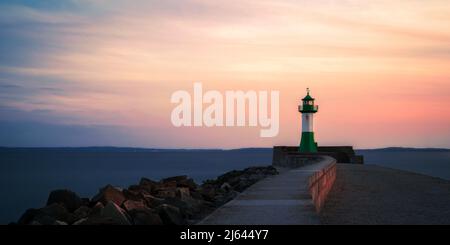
(307,144)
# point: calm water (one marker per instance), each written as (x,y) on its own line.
(26,177)
(433,163)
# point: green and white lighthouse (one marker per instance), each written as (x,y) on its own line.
(307,108)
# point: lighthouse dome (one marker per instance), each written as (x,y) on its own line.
(307,97)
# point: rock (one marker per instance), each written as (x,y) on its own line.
(170,215)
(44,220)
(251,174)
(65,197)
(195,194)
(152,201)
(97,209)
(109,194)
(229,177)
(225,186)
(130,205)
(148,185)
(176,200)
(79,222)
(175,178)
(166,192)
(208,192)
(145,216)
(167,184)
(145,181)
(47,215)
(113,211)
(188,207)
(54,211)
(134,188)
(34,222)
(135,195)
(182,193)
(58,222)
(189,183)
(28,216)
(85,201)
(181,181)
(183,206)
(82,212)
(236,180)
(225,197)
(243,184)
(97,220)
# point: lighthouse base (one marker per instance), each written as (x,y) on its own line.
(289,156)
(307,143)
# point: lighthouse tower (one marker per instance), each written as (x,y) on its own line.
(307,108)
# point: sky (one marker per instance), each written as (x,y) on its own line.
(90,73)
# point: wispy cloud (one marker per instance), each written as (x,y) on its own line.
(116,62)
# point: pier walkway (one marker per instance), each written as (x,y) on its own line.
(281,199)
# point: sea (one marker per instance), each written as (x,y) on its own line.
(27,175)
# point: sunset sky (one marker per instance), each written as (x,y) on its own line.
(101,72)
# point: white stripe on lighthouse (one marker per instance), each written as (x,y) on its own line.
(307,122)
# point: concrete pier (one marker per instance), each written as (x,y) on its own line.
(374,195)
(292,197)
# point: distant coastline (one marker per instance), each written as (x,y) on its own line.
(142,149)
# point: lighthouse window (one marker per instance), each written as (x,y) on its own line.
(310,102)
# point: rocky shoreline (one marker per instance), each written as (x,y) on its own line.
(176,200)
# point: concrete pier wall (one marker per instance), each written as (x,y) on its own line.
(288,156)
(321,182)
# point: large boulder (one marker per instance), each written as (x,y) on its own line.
(175,178)
(183,193)
(196,194)
(152,201)
(188,207)
(65,197)
(130,205)
(181,181)
(58,212)
(58,222)
(225,197)
(109,193)
(145,216)
(245,182)
(170,215)
(111,210)
(167,184)
(208,192)
(97,220)
(47,215)
(166,192)
(28,216)
(134,194)
(147,185)
(82,212)
(226,187)
(96,209)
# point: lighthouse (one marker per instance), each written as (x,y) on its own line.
(307,109)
